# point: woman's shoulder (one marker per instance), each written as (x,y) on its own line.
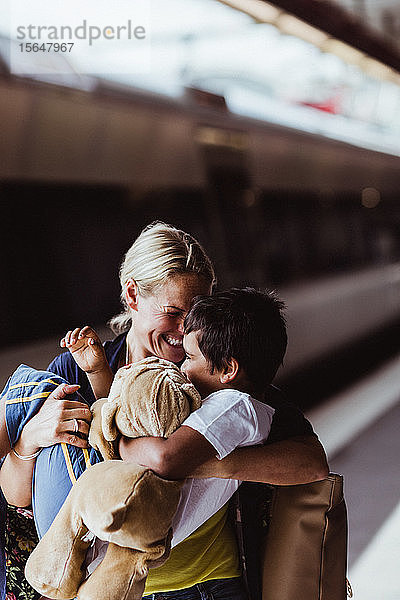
(113,350)
(65,366)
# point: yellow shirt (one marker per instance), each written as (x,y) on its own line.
(208,553)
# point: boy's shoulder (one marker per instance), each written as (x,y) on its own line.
(228,394)
(242,404)
(232,397)
(275,397)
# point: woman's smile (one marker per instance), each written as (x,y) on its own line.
(173,340)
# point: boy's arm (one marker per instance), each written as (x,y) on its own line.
(100,382)
(225,420)
(172,458)
(88,352)
(297,460)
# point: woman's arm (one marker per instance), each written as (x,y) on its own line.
(53,423)
(187,454)
(297,460)
(4,441)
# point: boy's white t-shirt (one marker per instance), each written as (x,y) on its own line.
(227,419)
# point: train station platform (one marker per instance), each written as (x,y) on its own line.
(359,429)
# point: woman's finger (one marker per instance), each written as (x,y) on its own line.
(83,427)
(77,426)
(74,336)
(77,412)
(62,391)
(86,331)
(74,440)
(72,405)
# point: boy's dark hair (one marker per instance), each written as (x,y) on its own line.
(244,324)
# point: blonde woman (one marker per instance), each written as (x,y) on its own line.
(162,272)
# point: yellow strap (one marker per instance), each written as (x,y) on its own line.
(28,398)
(86,456)
(19,385)
(68,462)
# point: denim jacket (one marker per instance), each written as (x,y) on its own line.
(57,467)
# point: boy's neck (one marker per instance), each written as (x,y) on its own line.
(246,388)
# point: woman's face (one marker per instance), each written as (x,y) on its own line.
(158,319)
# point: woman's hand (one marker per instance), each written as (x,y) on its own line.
(86,348)
(58,420)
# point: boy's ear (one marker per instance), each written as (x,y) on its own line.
(230,371)
(131,294)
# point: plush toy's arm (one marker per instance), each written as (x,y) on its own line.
(96,437)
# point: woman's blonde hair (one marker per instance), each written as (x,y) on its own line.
(159,252)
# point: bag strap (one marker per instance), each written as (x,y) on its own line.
(251,510)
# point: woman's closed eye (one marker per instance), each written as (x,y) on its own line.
(173,311)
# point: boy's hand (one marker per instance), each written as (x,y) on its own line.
(86,348)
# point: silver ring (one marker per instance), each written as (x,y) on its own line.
(76,425)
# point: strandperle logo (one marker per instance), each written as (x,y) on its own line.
(85,31)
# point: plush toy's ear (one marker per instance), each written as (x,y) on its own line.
(96,430)
(108,411)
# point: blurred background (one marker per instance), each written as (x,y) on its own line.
(269,132)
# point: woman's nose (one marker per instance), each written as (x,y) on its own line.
(183,370)
(180,326)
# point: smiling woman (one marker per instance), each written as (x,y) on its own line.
(162,272)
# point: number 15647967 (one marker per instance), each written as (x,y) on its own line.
(46,47)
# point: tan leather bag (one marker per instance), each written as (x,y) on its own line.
(297,537)
(305,551)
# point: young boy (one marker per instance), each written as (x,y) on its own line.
(234,343)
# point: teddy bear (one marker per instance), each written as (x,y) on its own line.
(121,503)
